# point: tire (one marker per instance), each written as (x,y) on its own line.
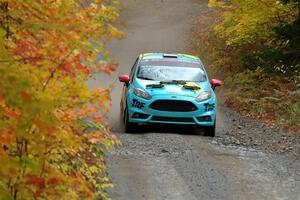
(129,127)
(210,131)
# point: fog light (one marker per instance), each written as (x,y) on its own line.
(140,115)
(204,119)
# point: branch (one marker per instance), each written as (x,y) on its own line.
(55,70)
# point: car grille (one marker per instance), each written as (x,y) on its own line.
(173,105)
(172,119)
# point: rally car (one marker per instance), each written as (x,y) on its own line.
(169,89)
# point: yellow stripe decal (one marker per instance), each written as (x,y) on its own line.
(192,84)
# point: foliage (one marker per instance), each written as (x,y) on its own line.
(254,46)
(53,130)
(265,33)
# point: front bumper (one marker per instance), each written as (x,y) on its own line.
(139,111)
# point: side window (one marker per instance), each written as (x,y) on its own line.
(133,69)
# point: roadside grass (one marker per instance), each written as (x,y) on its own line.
(271,99)
(275,100)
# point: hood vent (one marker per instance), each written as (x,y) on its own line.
(170,55)
(155,86)
(188,87)
(173,82)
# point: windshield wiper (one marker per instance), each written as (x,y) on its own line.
(145,78)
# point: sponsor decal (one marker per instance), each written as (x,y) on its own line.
(137,104)
(209,107)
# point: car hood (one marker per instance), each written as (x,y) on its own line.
(173,89)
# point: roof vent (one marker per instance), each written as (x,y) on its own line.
(170,56)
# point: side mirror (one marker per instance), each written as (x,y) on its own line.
(124,79)
(215,82)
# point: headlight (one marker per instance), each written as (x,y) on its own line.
(204,96)
(140,93)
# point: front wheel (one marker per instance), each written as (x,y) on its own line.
(129,127)
(210,131)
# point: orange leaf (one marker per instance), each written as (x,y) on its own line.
(36,181)
(53,181)
(50,129)
(25,96)
(6,138)
(2,102)
(10,113)
(41,125)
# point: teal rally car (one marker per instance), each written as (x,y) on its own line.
(169,89)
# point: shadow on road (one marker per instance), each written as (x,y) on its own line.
(169,128)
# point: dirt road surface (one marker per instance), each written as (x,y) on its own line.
(176,164)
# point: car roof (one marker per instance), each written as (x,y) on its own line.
(179,57)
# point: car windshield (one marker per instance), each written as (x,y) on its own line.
(165,70)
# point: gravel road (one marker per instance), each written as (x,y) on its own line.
(247,159)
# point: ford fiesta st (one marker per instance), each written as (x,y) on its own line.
(170,89)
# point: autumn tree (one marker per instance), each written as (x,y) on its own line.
(265,33)
(53,130)
(255,46)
